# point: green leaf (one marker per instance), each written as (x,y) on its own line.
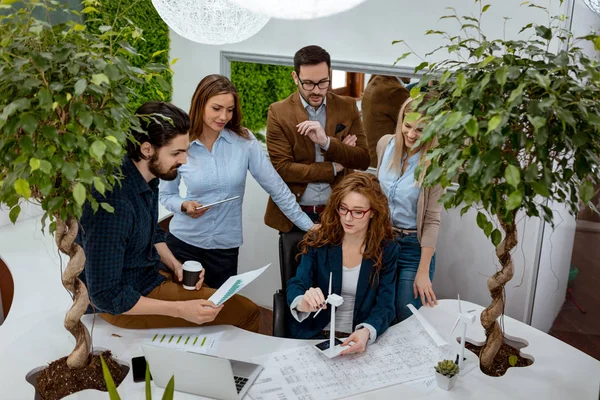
(502,75)
(45,99)
(34,164)
(110,384)
(586,191)
(14,214)
(486,61)
(98,79)
(45,167)
(79,27)
(512,174)
(69,171)
(485,8)
(517,92)
(169,390)
(512,360)
(531,173)
(54,204)
(22,188)
(99,185)
(79,193)
(97,150)
(29,123)
(107,207)
(481,220)
(148,386)
(514,200)
(494,122)
(496,237)
(472,127)
(453,119)
(540,189)
(80,86)
(86,118)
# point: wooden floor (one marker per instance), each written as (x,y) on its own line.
(266,322)
(582,330)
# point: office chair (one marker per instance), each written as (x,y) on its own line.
(288,264)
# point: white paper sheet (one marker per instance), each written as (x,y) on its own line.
(403,354)
(435,335)
(234,284)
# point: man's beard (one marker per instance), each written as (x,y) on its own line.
(155,169)
(307,96)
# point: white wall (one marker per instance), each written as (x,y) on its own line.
(555,262)
(28,210)
(363,34)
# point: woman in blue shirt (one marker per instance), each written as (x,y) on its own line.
(221,153)
(415,211)
(355,247)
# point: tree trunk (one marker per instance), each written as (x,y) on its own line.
(65,240)
(496,283)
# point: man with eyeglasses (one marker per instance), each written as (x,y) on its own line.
(314,137)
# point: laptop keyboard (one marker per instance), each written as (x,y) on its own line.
(240,382)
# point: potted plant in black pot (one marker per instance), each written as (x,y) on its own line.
(518,126)
(64,121)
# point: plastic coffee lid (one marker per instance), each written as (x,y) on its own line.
(192,266)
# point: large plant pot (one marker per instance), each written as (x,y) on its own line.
(445,382)
(32,376)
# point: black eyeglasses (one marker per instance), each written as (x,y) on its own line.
(311,85)
(358,214)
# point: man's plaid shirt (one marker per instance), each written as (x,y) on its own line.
(121,261)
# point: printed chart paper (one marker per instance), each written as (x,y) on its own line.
(234,284)
(195,343)
(405,353)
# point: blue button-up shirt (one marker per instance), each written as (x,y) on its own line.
(121,261)
(210,176)
(317,193)
(401,191)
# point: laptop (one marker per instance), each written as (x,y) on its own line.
(200,374)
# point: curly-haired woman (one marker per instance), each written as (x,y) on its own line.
(355,244)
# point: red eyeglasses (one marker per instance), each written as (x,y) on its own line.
(358,214)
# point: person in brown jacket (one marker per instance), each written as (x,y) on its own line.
(381,102)
(314,137)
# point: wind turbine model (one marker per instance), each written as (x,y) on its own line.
(465,318)
(335,301)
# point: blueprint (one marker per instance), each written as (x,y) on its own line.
(405,353)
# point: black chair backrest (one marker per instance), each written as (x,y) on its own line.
(288,250)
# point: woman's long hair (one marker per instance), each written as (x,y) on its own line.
(210,86)
(380,225)
(395,164)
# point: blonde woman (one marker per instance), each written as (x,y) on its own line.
(415,211)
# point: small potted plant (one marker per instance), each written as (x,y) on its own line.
(446,373)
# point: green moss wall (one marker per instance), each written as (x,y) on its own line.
(155,34)
(259,85)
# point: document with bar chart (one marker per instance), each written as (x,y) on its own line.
(199,342)
(234,284)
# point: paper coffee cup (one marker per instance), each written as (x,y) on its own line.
(191,274)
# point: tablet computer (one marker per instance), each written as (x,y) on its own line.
(217,202)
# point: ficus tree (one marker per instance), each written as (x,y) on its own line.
(64,122)
(517,126)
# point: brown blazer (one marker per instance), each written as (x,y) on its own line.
(293,155)
(428,205)
(381,102)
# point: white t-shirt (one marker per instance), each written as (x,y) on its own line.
(344,314)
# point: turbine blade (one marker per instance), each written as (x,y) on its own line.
(459,307)
(330,276)
(453,328)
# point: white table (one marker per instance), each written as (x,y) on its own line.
(33,335)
